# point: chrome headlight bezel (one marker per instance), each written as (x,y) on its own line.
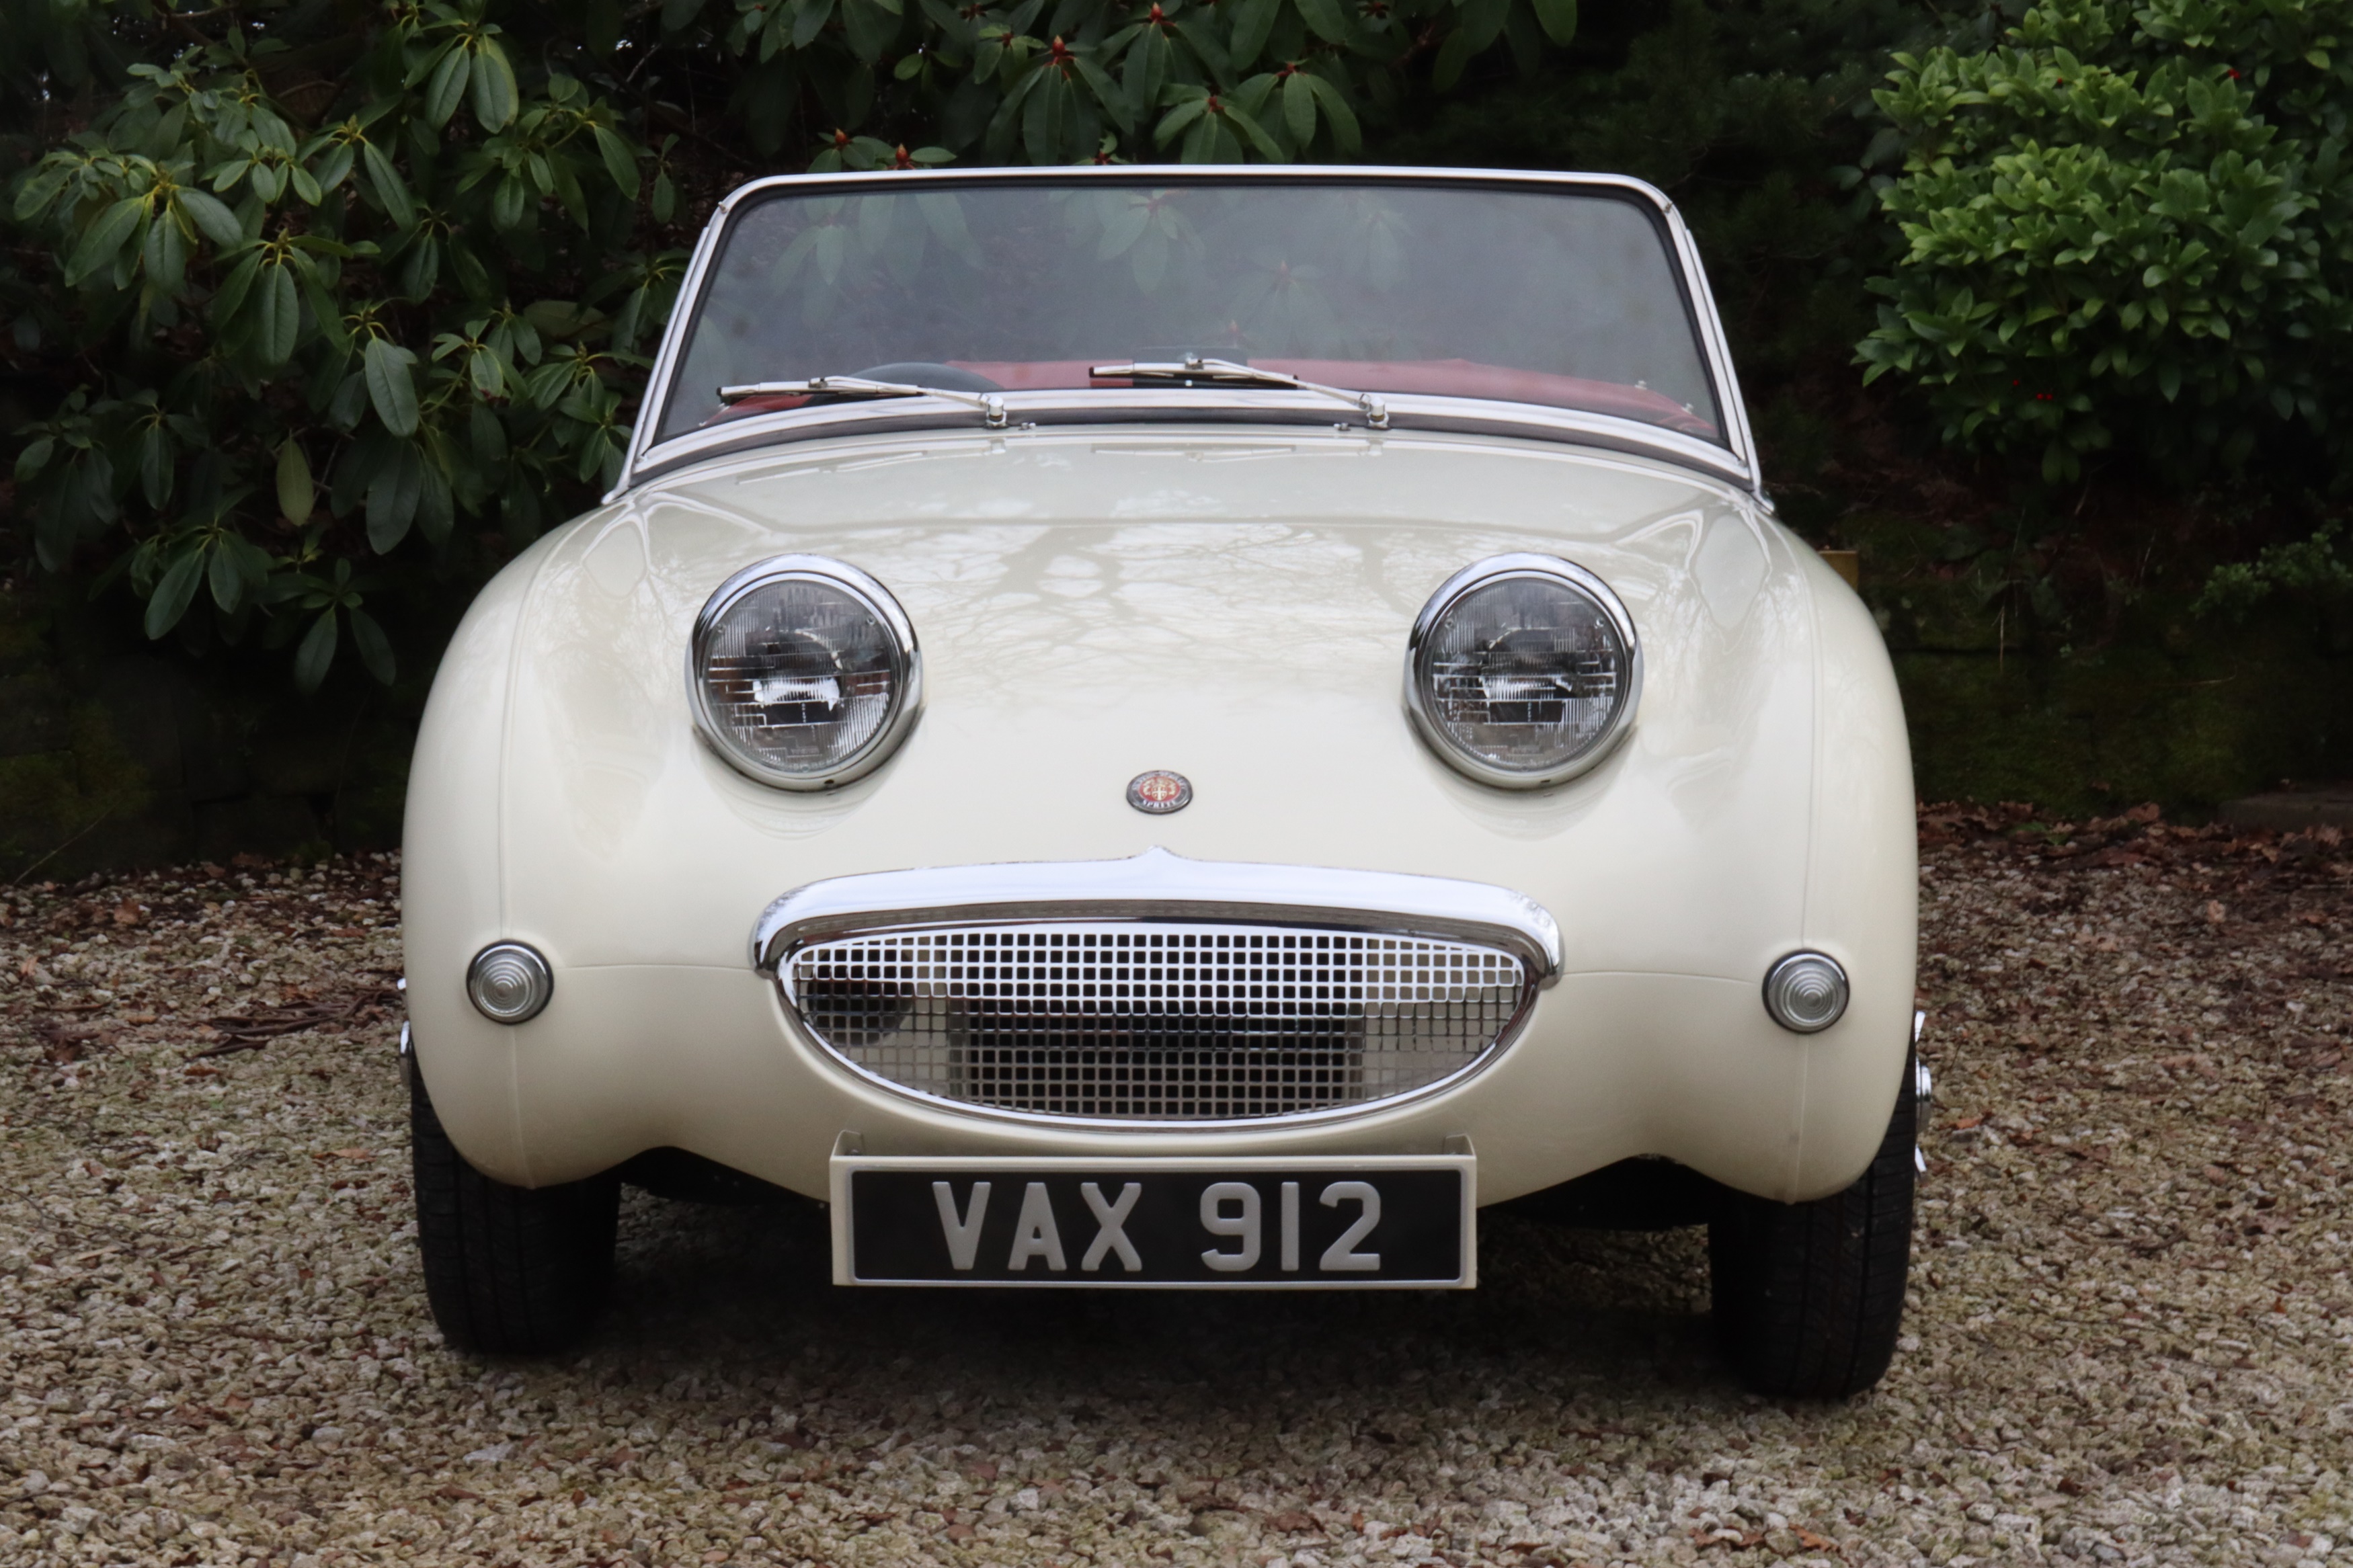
(1494,569)
(906,669)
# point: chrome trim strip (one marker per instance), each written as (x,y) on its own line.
(658,379)
(1082,406)
(1535,419)
(1158,884)
(1495,567)
(1718,350)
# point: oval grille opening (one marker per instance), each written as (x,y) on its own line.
(1162,1021)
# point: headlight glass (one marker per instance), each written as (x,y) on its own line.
(1524,670)
(804,672)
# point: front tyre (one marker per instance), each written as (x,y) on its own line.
(1809,1296)
(507,1270)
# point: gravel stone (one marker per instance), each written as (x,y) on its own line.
(2130,1337)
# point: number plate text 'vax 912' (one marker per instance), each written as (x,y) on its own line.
(1405,1222)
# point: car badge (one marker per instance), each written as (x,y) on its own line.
(1159,792)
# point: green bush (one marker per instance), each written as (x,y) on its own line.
(314,335)
(319,290)
(2127,226)
(2314,570)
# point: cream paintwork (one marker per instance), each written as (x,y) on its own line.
(1232,604)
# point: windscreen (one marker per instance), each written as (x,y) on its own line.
(1569,298)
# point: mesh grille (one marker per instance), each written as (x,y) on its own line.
(1163,1022)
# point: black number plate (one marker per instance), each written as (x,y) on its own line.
(1202,1224)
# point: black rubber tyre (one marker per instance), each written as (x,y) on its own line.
(507,1270)
(1809,1296)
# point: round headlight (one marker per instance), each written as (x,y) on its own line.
(804,672)
(1523,671)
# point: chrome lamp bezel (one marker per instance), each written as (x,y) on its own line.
(907,687)
(1780,979)
(519,957)
(1497,568)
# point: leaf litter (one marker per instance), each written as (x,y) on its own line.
(2130,1334)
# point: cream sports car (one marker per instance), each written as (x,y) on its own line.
(1176,729)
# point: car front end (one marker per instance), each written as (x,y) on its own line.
(1187,774)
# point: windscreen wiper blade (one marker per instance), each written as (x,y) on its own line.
(1232,372)
(991,405)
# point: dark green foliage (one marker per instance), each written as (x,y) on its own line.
(2130,227)
(1756,118)
(305,293)
(2313,571)
(298,342)
(2161,703)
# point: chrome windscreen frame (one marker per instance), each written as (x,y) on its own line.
(1159,886)
(1408,413)
(1735,460)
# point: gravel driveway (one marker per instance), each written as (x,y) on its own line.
(2131,1336)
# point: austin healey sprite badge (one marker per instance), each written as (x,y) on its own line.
(1159,792)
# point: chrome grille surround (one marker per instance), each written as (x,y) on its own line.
(1157,991)
(1166,1020)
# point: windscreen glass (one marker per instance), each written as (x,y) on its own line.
(1569,299)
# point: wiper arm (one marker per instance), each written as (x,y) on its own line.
(1232,372)
(991,403)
